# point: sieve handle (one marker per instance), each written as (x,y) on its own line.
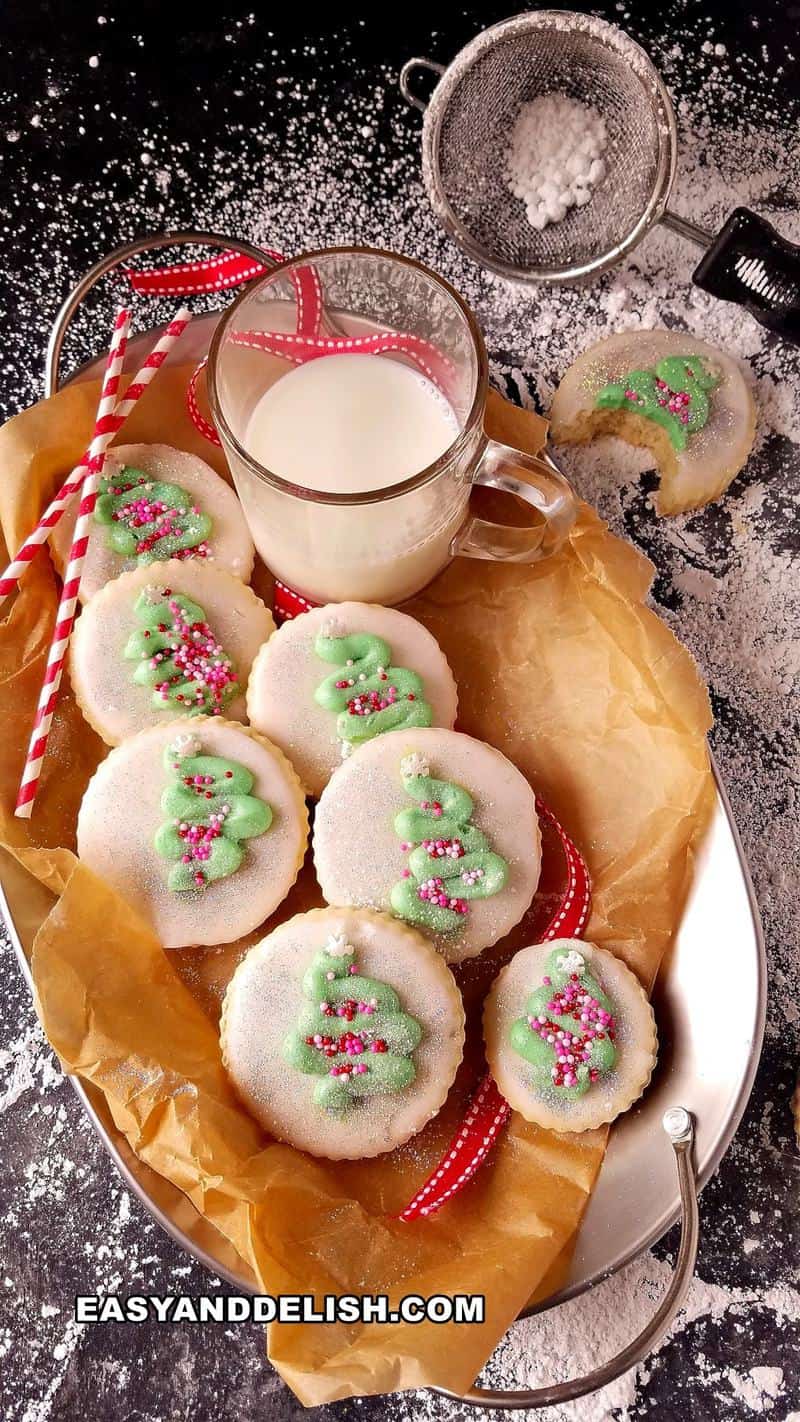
(749,262)
(405,78)
(537,481)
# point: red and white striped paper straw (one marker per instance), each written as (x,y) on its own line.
(65,618)
(107,428)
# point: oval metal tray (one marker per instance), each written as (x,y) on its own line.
(707,1061)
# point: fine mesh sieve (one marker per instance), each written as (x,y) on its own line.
(469,122)
(466,135)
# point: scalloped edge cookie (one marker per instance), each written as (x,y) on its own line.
(349,921)
(636,1042)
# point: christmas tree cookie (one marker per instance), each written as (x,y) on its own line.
(435,827)
(342,1032)
(210,810)
(169,639)
(570,1035)
(157,504)
(667,392)
(200,824)
(450,862)
(342,675)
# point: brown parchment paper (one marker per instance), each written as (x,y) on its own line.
(564,669)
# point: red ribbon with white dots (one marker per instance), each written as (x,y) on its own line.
(307,342)
(222,273)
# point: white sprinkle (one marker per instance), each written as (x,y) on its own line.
(413,765)
(337,946)
(572,962)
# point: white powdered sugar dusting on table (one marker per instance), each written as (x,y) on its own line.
(579,1336)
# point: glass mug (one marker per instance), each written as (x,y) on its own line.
(380,544)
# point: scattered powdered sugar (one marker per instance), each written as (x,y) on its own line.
(579,1336)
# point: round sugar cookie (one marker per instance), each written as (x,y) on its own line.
(157,503)
(165,640)
(570,1035)
(342,1032)
(671,393)
(201,826)
(339,676)
(435,827)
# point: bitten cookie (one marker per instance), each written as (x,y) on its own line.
(341,675)
(435,827)
(201,826)
(668,392)
(342,1032)
(570,1035)
(157,503)
(166,640)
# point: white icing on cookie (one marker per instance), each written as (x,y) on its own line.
(338,946)
(185,745)
(414,764)
(571,962)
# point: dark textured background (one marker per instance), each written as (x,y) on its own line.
(83,146)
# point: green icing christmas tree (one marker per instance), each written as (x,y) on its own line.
(148,519)
(674,395)
(353,1034)
(211,810)
(568,1032)
(450,861)
(369,694)
(178,655)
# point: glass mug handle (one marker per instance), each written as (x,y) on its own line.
(543,486)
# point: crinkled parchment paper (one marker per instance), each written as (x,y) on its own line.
(559,665)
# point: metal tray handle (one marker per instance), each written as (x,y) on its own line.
(679,1128)
(115,259)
